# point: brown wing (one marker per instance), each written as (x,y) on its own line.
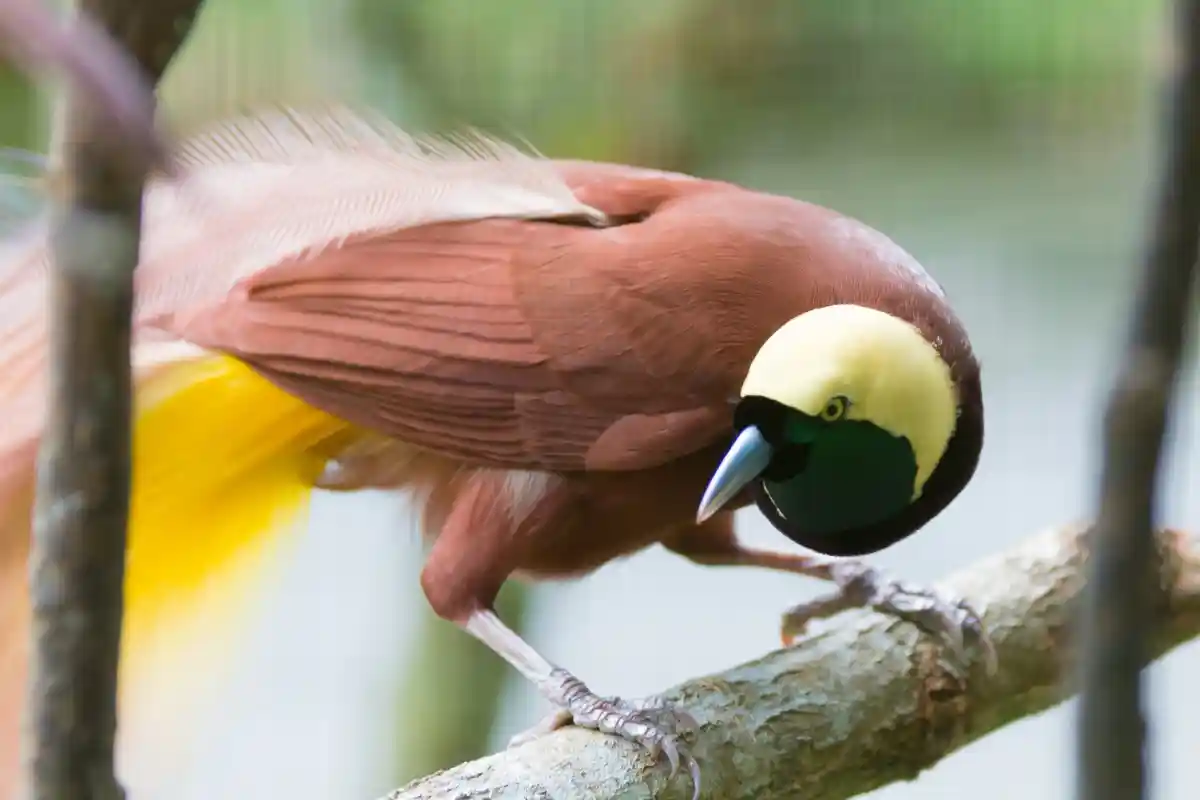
(512,343)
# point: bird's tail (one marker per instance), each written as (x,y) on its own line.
(223,468)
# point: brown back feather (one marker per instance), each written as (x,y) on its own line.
(533,345)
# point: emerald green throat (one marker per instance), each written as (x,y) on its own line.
(829,477)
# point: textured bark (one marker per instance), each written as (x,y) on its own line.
(1116,629)
(77,564)
(858,703)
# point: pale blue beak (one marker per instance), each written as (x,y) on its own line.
(747,458)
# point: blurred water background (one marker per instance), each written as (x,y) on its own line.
(1008,146)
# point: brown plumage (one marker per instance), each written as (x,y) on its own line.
(602,363)
(559,388)
(610,357)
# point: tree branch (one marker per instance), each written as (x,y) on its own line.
(77,565)
(860,702)
(1110,758)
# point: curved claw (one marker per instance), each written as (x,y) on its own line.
(991,659)
(677,754)
(973,624)
(652,723)
(694,771)
(668,748)
(951,633)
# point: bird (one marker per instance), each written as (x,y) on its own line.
(561,362)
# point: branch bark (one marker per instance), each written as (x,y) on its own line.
(1117,607)
(77,565)
(860,702)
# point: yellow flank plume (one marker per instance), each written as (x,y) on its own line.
(221,458)
(223,467)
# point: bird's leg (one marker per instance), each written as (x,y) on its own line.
(649,722)
(469,561)
(951,619)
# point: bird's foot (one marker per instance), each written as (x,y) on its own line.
(950,619)
(652,722)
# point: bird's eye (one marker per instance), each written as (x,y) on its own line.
(835,409)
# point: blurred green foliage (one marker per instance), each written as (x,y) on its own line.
(18,123)
(670,82)
(21,130)
(673,81)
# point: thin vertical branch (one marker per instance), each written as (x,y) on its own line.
(1116,618)
(77,566)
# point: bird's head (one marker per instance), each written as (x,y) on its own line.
(844,415)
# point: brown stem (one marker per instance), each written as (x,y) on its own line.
(77,564)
